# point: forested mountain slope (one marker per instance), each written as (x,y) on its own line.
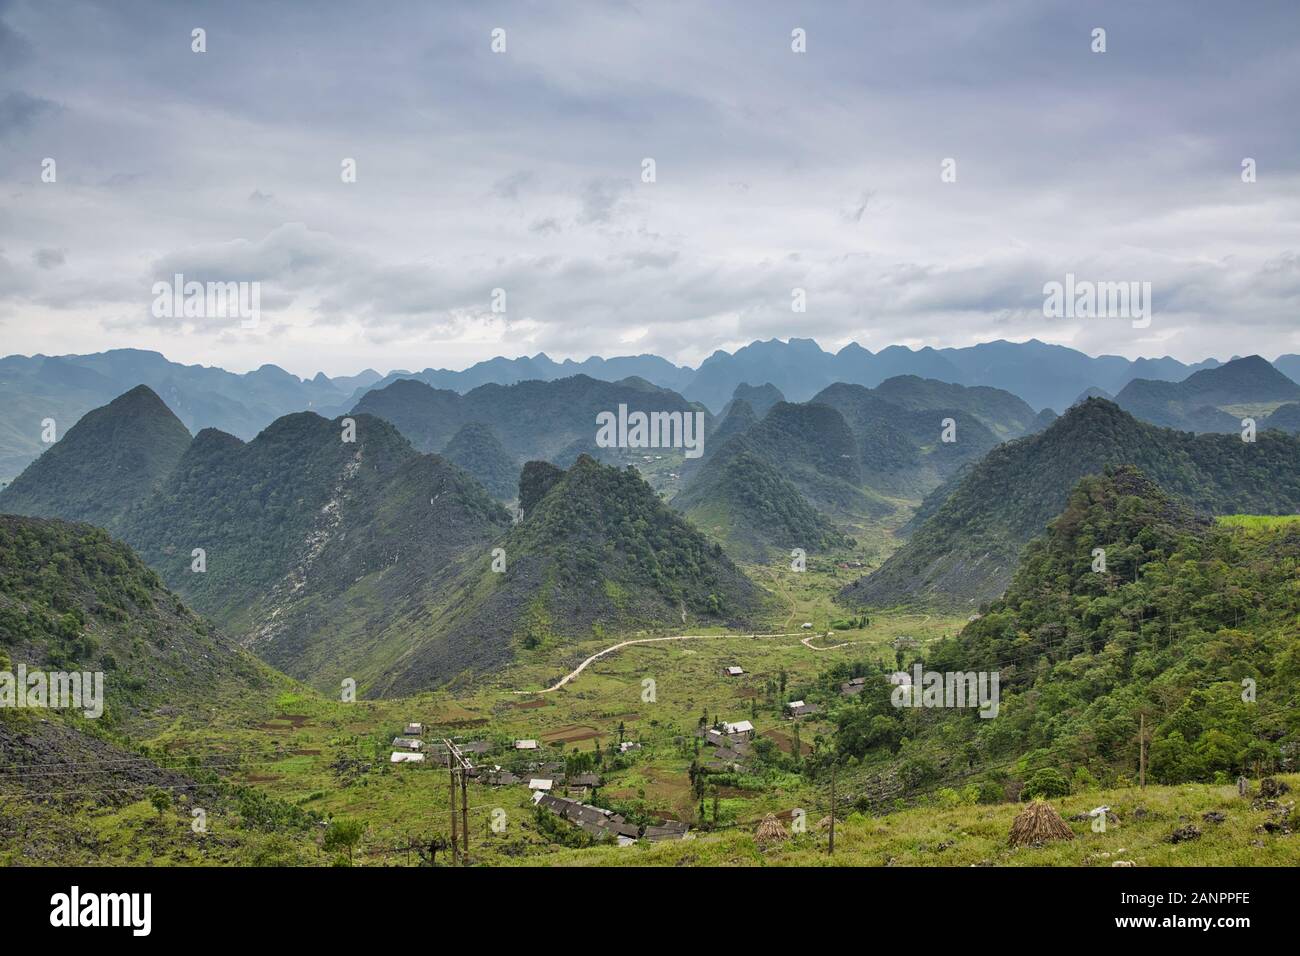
(966,550)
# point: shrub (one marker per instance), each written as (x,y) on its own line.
(1045,782)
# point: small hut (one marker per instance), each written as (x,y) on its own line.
(1039,823)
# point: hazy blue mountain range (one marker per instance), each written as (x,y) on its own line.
(531,420)
(1042,375)
(64,388)
(1211,400)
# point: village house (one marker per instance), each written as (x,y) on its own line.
(401,756)
(853,687)
(594,821)
(725,760)
(733,671)
(627,746)
(413,730)
(743,727)
(407,743)
(541,783)
(525,744)
(797,708)
(668,830)
(584,780)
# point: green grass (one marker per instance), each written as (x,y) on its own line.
(978,835)
(304,736)
(1258,522)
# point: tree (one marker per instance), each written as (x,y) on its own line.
(1045,782)
(161,801)
(344,835)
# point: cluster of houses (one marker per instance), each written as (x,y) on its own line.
(545,779)
(409,746)
(597,822)
(732,743)
(542,777)
(601,823)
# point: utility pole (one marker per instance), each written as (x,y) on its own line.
(451,778)
(458,766)
(464,815)
(1142,751)
(832,844)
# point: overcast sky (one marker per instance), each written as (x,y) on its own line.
(522,170)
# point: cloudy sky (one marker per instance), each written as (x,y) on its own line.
(522,170)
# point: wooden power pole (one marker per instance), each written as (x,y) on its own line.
(459,767)
(451,789)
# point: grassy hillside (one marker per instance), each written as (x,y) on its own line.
(957,834)
(72,598)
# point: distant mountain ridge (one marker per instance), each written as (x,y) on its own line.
(532,419)
(966,549)
(335,550)
(66,387)
(112,458)
(1211,400)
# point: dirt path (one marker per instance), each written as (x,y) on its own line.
(807,642)
(643,640)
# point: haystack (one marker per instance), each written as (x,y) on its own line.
(1039,823)
(770,831)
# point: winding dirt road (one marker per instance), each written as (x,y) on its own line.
(643,640)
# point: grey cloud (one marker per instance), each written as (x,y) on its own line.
(20,111)
(509,187)
(521,171)
(49,258)
(599,198)
(854,211)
